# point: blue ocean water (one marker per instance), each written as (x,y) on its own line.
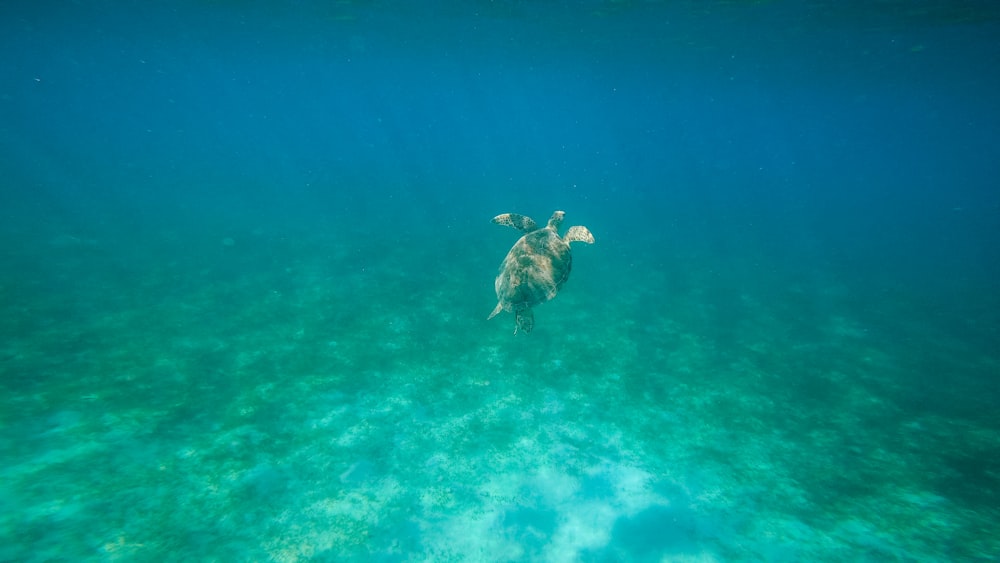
(246,263)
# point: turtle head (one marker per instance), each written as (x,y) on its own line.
(555,220)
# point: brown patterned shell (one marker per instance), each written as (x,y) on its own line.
(534,270)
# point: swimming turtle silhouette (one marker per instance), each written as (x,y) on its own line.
(536,267)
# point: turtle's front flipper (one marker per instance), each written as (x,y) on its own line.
(525,320)
(578,234)
(519,222)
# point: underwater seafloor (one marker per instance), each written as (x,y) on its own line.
(255,396)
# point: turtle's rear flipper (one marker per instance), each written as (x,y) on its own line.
(525,320)
(519,222)
(496,311)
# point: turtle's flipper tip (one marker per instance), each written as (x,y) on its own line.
(496,311)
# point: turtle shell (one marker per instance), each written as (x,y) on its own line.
(534,270)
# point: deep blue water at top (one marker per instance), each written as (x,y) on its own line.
(826,129)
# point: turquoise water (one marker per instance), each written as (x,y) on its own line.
(246,262)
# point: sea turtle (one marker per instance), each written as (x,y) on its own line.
(536,267)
